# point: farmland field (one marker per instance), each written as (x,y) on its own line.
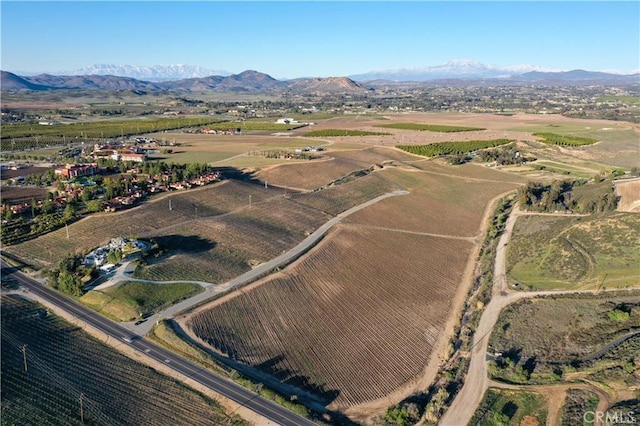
(579,252)
(429,127)
(220,148)
(337,321)
(437,203)
(218,249)
(143,220)
(65,364)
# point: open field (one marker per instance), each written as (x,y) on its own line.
(342,196)
(217,148)
(617,146)
(16,194)
(438,203)
(629,193)
(564,328)
(511,407)
(143,220)
(549,252)
(331,322)
(67,369)
(429,127)
(134,300)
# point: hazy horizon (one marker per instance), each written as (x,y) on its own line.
(320,39)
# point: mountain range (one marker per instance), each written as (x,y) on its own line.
(454,73)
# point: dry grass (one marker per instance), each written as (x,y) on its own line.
(629,193)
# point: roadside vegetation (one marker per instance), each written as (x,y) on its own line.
(131,300)
(570,196)
(429,127)
(508,407)
(54,373)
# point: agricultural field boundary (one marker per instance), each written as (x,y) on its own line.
(257,272)
(476,382)
(230,405)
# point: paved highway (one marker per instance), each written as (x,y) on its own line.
(231,390)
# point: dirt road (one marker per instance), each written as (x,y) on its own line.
(476,383)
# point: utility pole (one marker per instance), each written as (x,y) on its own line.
(24,356)
(81,408)
(249,200)
(170,204)
(67,229)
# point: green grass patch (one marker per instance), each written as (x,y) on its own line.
(429,127)
(509,407)
(449,148)
(623,99)
(133,299)
(565,140)
(342,132)
(570,252)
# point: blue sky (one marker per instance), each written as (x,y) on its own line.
(295,39)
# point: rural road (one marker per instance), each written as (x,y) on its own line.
(255,273)
(477,382)
(270,410)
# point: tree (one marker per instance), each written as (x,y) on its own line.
(114,256)
(94,206)
(69,212)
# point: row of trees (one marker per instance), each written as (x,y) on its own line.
(561,196)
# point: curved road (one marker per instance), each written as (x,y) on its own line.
(258,271)
(270,410)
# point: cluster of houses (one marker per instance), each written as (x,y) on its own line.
(156,184)
(77,182)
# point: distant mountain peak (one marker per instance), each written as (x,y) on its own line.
(457,68)
(147,73)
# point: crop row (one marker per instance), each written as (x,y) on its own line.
(169,210)
(103,129)
(65,367)
(218,249)
(429,127)
(449,148)
(564,140)
(353,321)
(342,132)
(337,198)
